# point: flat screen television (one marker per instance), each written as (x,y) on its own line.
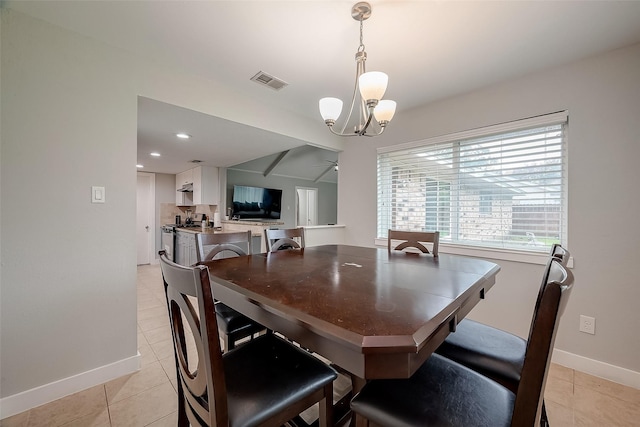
(256,202)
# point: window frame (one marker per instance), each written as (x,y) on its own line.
(511,254)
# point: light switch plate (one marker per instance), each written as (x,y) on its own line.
(97,195)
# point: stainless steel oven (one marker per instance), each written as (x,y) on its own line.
(168,240)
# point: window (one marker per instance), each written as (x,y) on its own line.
(498,187)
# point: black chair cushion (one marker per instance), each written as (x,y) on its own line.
(252,370)
(440,393)
(490,351)
(232,322)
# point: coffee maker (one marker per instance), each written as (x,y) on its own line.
(188,220)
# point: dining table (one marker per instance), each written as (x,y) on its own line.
(374,313)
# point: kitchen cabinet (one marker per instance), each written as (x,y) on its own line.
(185,177)
(185,248)
(206,186)
(184,198)
(178,249)
(256,243)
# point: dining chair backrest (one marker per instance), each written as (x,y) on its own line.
(562,256)
(198,393)
(284,238)
(209,245)
(550,307)
(414,239)
(557,251)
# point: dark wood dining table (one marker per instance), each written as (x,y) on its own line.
(374,313)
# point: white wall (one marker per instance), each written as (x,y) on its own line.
(68,121)
(68,266)
(602,96)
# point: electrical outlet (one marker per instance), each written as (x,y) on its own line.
(588,324)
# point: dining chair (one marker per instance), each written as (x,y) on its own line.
(233,325)
(284,238)
(264,382)
(414,239)
(493,352)
(444,392)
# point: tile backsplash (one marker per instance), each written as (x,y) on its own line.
(168,212)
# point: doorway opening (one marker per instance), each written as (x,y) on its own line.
(145,218)
(306,206)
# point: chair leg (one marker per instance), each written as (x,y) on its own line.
(183,420)
(360,420)
(325,410)
(544,421)
(228,343)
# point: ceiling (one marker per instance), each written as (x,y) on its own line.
(430,50)
(218,142)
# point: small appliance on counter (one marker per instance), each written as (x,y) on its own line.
(178,220)
(188,220)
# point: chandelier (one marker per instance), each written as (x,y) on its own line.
(368,91)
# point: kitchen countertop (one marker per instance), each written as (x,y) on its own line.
(196,230)
(251,222)
(231,226)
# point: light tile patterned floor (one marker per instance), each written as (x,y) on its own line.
(148,397)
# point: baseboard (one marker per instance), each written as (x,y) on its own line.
(20,402)
(26,400)
(597,369)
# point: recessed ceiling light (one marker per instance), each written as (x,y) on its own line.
(139,166)
(182,135)
(154,154)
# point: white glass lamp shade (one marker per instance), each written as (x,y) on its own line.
(373,85)
(330,108)
(385,110)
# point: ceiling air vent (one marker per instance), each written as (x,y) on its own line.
(196,161)
(270,81)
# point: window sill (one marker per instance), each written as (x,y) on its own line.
(489,253)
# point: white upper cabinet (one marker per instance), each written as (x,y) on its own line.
(185,177)
(206,186)
(184,198)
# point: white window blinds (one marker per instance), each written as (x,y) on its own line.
(500,187)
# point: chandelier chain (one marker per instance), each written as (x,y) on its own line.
(361,47)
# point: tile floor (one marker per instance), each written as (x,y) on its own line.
(148,397)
